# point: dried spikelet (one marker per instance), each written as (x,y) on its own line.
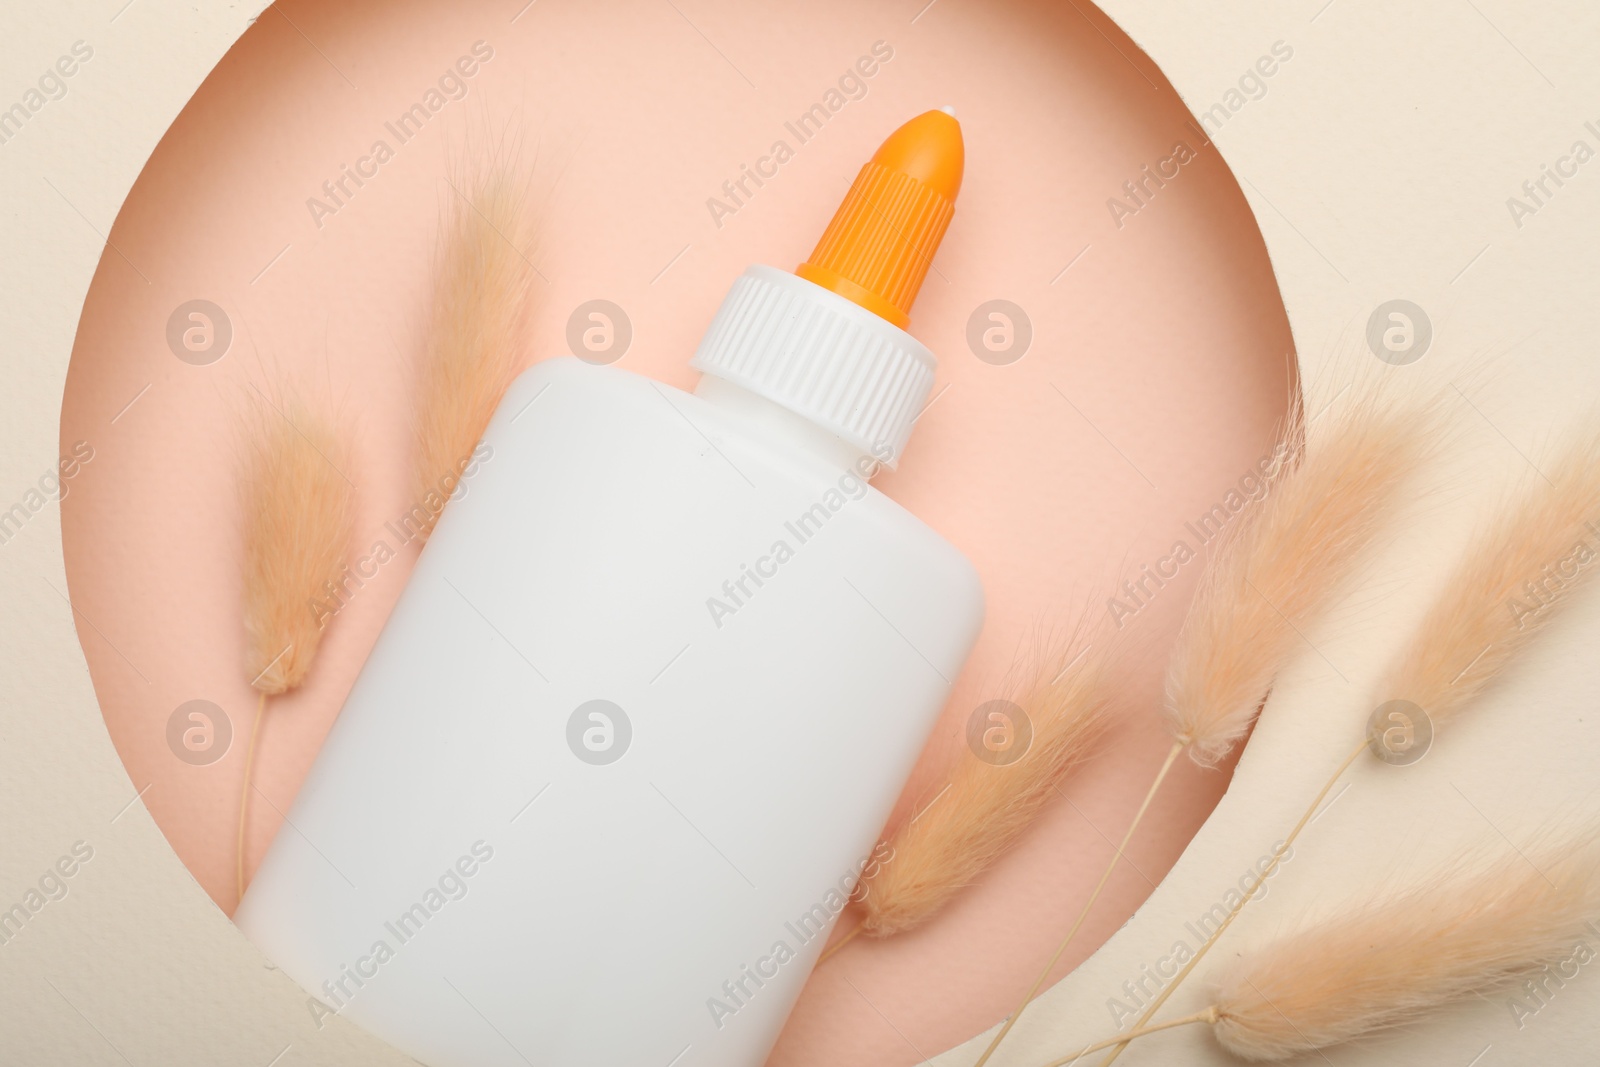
(474,346)
(1514,579)
(1385,963)
(1285,561)
(298,514)
(299,509)
(987,806)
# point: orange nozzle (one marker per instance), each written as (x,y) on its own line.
(877,249)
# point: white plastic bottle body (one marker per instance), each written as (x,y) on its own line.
(488,869)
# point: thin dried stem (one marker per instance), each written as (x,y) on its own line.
(1206,1015)
(1033,991)
(244,797)
(833,949)
(1245,898)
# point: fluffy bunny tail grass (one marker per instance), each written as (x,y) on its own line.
(1385,963)
(1325,500)
(474,342)
(990,802)
(298,514)
(1515,577)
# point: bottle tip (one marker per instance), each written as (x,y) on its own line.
(877,249)
(929,149)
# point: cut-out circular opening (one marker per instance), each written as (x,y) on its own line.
(1113,358)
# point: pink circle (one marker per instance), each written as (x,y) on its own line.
(1158,367)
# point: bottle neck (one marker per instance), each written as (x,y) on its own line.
(842,371)
(776,424)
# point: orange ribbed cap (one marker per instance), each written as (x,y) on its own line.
(877,249)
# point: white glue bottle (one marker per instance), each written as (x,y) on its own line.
(624,748)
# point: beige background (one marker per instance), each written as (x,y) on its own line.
(1380,169)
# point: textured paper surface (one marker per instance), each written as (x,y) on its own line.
(1379,165)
